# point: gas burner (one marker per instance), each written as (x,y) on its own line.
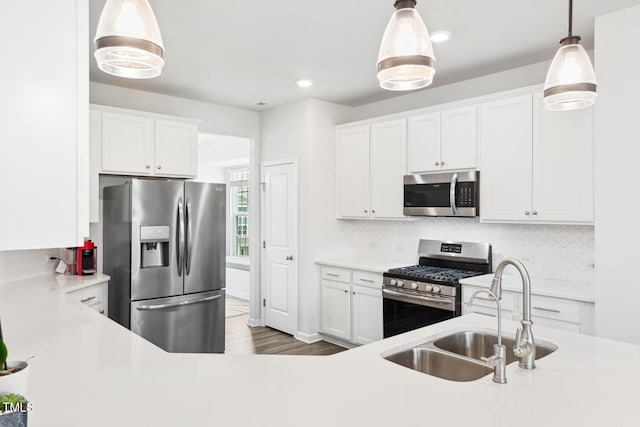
(436,274)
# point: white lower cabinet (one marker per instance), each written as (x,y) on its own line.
(351,302)
(95,297)
(557,313)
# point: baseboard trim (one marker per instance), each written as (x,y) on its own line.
(240,295)
(307,338)
(254,322)
(339,342)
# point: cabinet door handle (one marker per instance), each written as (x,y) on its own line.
(346,292)
(333,275)
(527,213)
(147,166)
(367,280)
(373,211)
(87,299)
(366,211)
(441,163)
(437,163)
(550,310)
(354,293)
(159,167)
(535,212)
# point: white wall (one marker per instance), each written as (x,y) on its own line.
(304,130)
(217,119)
(616,154)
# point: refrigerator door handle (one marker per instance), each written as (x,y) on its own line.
(189,239)
(180,233)
(177,304)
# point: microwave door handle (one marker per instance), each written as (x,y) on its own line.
(452,194)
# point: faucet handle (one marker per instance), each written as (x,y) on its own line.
(518,336)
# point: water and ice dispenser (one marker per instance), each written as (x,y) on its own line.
(154,246)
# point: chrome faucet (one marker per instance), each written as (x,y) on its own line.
(525,346)
(498,361)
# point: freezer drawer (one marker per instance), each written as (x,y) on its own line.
(183,324)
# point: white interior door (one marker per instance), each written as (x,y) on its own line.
(279,236)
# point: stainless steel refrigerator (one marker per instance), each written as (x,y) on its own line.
(164,248)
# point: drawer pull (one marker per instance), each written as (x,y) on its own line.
(367,280)
(484,314)
(87,299)
(550,310)
(333,275)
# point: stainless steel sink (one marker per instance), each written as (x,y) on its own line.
(441,365)
(480,344)
(457,356)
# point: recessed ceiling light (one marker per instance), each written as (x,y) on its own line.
(304,83)
(440,36)
(261,103)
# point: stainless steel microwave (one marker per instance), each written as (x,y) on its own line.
(442,194)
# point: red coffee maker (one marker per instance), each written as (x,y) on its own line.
(86,258)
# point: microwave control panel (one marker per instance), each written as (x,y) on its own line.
(466,195)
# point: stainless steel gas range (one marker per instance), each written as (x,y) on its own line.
(427,293)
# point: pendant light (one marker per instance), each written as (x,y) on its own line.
(405,60)
(128,41)
(571,81)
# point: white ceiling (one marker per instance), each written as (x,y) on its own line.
(240,52)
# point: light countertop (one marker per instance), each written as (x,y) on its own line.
(89,370)
(71,283)
(365,264)
(546,287)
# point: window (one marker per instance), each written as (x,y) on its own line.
(239,195)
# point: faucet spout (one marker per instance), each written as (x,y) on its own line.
(525,347)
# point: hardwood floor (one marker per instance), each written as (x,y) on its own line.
(242,339)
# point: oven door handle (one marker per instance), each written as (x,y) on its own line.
(420,299)
(452,194)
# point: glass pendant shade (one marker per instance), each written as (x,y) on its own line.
(571,81)
(128,40)
(406,59)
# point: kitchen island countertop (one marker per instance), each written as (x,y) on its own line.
(90,371)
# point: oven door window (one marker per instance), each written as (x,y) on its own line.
(427,195)
(400,316)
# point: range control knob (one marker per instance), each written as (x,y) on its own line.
(436,289)
(400,283)
(428,288)
(414,285)
(393,282)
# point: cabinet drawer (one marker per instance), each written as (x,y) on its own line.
(336,274)
(88,296)
(553,308)
(366,278)
(555,324)
(482,300)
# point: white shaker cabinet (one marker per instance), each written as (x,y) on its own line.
(505,159)
(366,313)
(336,309)
(352,172)
(370,166)
(563,164)
(127,144)
(536,165)
(388,166)
(44,106)
(442,141)
(176,148)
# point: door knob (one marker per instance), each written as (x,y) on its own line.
(289,258)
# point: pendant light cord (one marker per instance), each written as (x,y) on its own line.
(570,18)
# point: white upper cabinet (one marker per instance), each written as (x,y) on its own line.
(44,105)
(563,164)
(388,166)
(536,165)
(459,139)
(127,144)
(145,144)
(370,166)
(423,145)
(443,141)
(352,172)
(176,148)
(505,159)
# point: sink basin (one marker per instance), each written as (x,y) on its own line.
(480,344)
(441,365)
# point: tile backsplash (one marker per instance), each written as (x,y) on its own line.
(563,252)
(16,265)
